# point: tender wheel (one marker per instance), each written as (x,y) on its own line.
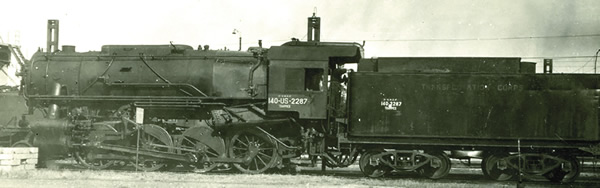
(258,152)
(152,142)
(82,157)
(567,172)
(438,167)
(370,165)
(496,167)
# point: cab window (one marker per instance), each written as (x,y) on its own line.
(313,79)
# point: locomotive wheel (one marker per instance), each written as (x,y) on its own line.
(565,173)
(494,167)
(259,152)
(147,163)
(153,135)
(199,167)
(82,157)
(437,168)
(370,170)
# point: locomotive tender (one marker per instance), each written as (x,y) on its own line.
(158,106)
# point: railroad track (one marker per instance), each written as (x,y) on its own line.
(461,175)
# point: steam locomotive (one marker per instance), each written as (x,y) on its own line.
(159,106)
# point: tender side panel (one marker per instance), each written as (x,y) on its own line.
(13,106)
(481,106)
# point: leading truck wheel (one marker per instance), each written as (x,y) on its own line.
(85,156)
(496,167)
(257,151)
(83,159)
(438,166)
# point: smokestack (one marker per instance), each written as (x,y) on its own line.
(52,43)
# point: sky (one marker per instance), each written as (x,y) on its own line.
(532,29)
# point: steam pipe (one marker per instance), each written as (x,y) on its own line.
(259,55)
(102,75)
(153,71)
(251,75)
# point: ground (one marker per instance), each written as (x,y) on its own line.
(307,177)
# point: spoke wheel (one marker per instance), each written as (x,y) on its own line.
(82,157)
(256,149)
(437,168)
(496,168)
(148,142)
(566,172)
(369,169)
(202,151)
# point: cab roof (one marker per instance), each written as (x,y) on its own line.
(319,51)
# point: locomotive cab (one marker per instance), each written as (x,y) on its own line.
(300,76)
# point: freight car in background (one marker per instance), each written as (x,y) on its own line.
(159,106)
(14,131)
